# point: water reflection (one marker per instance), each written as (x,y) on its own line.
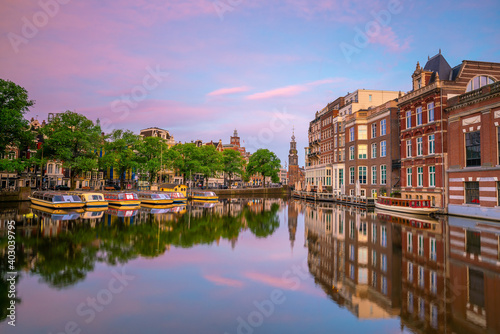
(422,275)
(437,275)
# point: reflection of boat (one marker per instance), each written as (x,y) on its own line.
(415,221)
(149,197)
(122,198)
(55,214)
(414,206)
(203,204)
(92,214)
(91,200)
(122,212)
(57,200)
(204,196)
(158,209)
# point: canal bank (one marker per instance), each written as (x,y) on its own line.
(281,191)
(21,194)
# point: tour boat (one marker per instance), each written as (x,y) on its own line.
(148,197)
(91,200)
(406,205)
(55,214)
(122,198)
(204,196)
(178,197)
(56,200)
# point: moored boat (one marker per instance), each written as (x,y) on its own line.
(406,205)
(122,198)
(91,200)
(178,197)
(150,197)
(204,196)
(56,200)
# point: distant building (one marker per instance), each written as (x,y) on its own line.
(157,132)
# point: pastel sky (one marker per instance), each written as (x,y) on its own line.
(201,69)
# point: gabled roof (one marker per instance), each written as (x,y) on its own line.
(438,64)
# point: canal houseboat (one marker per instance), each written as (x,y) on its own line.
(204,196)
(56,200)
(406,205)
(148,197)
(90,199)
(129,199)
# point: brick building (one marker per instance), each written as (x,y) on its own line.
(423,125)
(474,157)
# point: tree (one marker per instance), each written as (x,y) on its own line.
(14,103)
(233,164)
(120,152)
(265,163)
(210,161)
(73,139)
(154,156)
(187,161)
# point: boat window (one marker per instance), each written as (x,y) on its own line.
(156,196)
(57,199)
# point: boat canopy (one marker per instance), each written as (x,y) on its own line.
(56,197)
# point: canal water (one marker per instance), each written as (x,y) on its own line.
(256,265)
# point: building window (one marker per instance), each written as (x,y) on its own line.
(432,176)
(383,127)
(430,112)
(374,193)
(420,245)
(408,148)
(50,168)
(374,174)
(351,175)
(408,119)
(351,252)
(374,130)
(419,116)
(362,132)
(341,177)
(476,288)
(478,82)
(362,170)
(472,192)
(409,244)
(473,148)
(421,280)
(383,262)
(409,177)
(362,151)
(384,285)
(433,282)
(409,272)
(383,148)
(473,240)
(432,249)
(351,134)
(420,176)
(383,174)
(351,153)
(420,149)
(374,151)
(432,149)
(383,236)
(370,98)
(421,309)
(434,316)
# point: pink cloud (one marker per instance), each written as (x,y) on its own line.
(273,281)
(288,90)
(388,38)
(226,91)
(218,280)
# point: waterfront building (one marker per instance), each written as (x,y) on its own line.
(474,149)
(423,124)
(157,132)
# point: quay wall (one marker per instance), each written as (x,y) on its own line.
(16,195)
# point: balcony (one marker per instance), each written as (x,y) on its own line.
(396,164)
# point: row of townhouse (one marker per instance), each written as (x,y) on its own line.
(440,141)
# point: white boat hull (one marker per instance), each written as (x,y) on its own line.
(404,209)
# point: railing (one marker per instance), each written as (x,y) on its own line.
(329,197)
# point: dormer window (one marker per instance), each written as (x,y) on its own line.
(419,83)
(478,82)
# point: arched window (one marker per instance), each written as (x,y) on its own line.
(478,82)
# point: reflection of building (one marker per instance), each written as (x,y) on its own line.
(474,275)
(292,222)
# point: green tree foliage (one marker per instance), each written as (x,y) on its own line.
(154,155)
(120,153)
(263,223)
(210,161)
(14,103)
(205,160)
(265,163)
(74,140)
(234,164)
